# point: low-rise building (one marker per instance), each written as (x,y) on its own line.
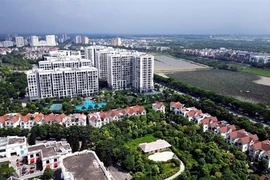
(155,146)
(158,106)
(13,146)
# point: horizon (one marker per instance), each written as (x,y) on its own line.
(170,17)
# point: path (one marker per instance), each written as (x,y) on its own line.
(182,168)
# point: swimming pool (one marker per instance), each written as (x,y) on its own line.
(90,103)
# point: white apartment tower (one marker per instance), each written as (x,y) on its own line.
(78,39)
(116,41)
(90,53)
(34,41)
(120,70)
(50,39)
(101,63)
(62,82)
(19,41)
(143,73)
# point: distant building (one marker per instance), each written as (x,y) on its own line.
(62,37)
(50,40)
(8,43)
(19,41)
(85,40)
(34,41)
(78,39)
(116,41)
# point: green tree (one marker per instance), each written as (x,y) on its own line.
(6,171)
(48,174)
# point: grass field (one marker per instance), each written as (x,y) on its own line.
(134,144)
(237,84)
(256,71)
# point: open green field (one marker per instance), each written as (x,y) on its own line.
(256,71)
(134,144)
(237,84)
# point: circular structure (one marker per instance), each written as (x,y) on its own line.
(161,156)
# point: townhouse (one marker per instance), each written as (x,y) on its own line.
(245,141)
(98,119)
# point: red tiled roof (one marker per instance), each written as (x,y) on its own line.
(2,119)
(177,105)
(25,118)
(240,133)
(159,104)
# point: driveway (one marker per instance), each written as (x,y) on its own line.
(182,168)
(118,173)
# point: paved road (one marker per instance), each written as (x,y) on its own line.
(182,168)
(232,112)
(119,174)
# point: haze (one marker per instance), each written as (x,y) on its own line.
(135,16)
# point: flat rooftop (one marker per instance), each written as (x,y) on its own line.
(46,151)
(16,140)
(84,166)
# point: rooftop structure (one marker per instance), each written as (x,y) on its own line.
(83,165)
(154,146)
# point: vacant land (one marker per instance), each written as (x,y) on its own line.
(237,84)
(169,64)
(256,71)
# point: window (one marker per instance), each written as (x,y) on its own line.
(48,162)
(55,160)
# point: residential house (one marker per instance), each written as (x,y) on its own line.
(207,122)
(155,146)
(176,107)
(12,120)
(242,139)
(74,120)
(260,150)
(158,106)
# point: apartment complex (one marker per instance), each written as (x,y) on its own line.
(62,82)
(19,41)
(61,74)
(123,69)
(50,41)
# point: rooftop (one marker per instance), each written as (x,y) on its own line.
(153,146)
(84,166)
(16,140)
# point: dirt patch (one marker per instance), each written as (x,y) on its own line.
(263,81)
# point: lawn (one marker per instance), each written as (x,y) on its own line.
(134,144)
(256,71)
(237,84)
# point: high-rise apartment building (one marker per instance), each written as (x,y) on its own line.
(63,73)
(143,72)
(50,39)
(116,41)
(90,53)
(62,82)
(85,40)
(8,43)
(19,41)
(34,41)
(78,39)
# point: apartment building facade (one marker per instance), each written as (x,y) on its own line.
(62,82)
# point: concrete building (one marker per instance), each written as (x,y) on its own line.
(13,146)
(34,41)
(78,39)
(101,62)
(7,43)
(85,40)
(90,53)
(62,82)
(19,41)
(116,41)
(50,40)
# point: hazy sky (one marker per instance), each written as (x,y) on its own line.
(136,16)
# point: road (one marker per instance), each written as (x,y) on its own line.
(67,45)
(232,112)
(182,168)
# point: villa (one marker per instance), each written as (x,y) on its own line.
(158,106)
(155,146)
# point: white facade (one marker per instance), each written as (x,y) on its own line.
(50,39)
(143,73)
(7,43)
(78,39)
(116,41)
(34,41)
(13,146)
(90,53)
(62,82)
(19,41)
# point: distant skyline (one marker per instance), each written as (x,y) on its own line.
(135,16)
